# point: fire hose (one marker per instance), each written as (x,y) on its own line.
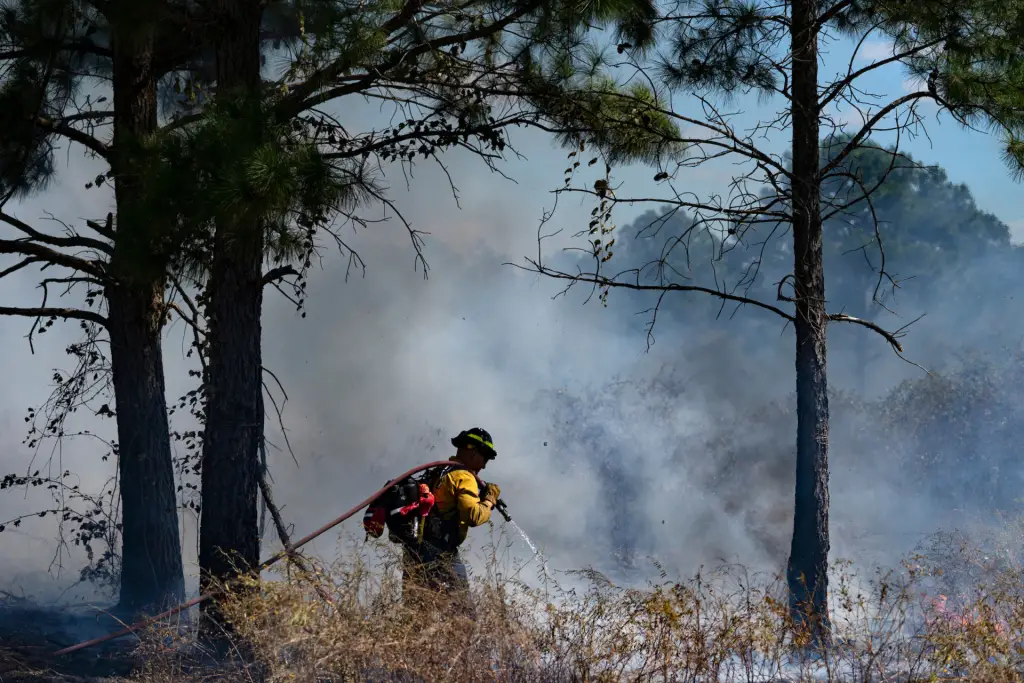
(287,551)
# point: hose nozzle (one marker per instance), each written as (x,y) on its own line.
(500,507)
(499,504)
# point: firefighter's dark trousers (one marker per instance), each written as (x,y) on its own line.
(441,573)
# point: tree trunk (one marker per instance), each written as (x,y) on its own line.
(151,573)
(229,533)
(808,561)
(151,569)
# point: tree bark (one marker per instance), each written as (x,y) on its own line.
(807,572)
(229,530)
(152,576)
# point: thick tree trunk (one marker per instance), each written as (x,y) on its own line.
(229,533)
(151,573)
(808,560)
(151,568)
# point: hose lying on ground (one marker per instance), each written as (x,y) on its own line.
(263,565)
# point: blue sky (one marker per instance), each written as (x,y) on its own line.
(968,156)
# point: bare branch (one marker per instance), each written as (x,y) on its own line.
(47,45)
(835,89)
(19,265)
(870,126)
(75,135)
(600,281)
(191,321)
(107,229)
(275,274)
(891,337)
(282,533)
(76,242)
(279,411)
(87,116)
(63,313)
(833,11)
(50,256)
(285,294)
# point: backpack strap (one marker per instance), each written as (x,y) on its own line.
(440,533)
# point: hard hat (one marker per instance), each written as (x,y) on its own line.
(478,438)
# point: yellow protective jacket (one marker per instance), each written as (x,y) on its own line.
(457,496)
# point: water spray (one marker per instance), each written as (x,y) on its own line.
(500,506)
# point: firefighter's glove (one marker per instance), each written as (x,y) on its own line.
(491,494)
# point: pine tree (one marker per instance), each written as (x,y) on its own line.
(51,52)
(263,171)
(243,171)
(51,48)
(714,49)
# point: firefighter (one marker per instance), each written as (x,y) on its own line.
(459,504)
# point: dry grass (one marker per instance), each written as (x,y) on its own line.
(920,622)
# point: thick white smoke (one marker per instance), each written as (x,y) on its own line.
(386,368)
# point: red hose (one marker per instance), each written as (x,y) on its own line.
(266,563)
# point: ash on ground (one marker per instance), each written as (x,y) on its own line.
(30,633)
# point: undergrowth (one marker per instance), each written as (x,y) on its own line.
(954,611)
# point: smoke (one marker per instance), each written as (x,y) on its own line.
(608,452)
